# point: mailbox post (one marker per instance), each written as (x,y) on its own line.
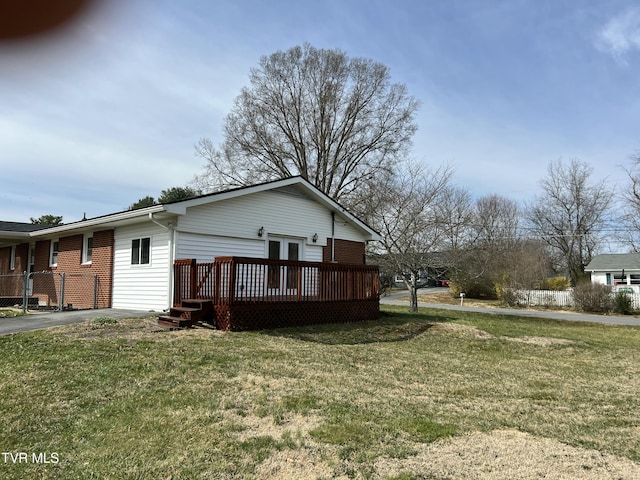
(461,298)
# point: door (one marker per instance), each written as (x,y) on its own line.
(283,277)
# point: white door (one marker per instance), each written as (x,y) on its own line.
(283,278)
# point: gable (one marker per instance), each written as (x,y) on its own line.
(280,212)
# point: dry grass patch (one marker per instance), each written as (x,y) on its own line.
(507,455)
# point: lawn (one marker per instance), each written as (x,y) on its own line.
(435,395)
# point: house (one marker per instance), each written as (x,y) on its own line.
(621,270)
(126,259)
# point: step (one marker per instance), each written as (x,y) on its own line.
(195,314)
(176,321)
(205,305)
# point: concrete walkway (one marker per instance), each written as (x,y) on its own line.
(575,317)
(39,321)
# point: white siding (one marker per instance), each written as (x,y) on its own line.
(599,277)
(313,253)
(204,248)
(141,287)
(230,227)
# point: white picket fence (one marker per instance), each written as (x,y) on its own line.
(552,298)
(544,298)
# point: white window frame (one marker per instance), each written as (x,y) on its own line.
(140,257)
(53,252)
(87,257)
(12,258)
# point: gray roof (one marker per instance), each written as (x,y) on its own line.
(21,227)
(614,261)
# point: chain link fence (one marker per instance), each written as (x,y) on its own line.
(48,290)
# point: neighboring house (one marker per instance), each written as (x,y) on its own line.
(129,256)
(620,270)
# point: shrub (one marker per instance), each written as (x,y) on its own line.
(622,303)
(104,321)
(473,289)
(557,284)
(592,297)
(510,297)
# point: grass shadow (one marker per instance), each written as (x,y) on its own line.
(390,327)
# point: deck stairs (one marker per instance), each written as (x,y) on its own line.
(191,312)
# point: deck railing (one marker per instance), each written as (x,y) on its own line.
(242,280)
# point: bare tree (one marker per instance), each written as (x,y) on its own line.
(454,212)
(630,211)
(405,215)
(492,234)
(496,222)
(570,214)
(337,121)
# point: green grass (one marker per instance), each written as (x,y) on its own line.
(122,400)
(11,312)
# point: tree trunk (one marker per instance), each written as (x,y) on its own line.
(413,290)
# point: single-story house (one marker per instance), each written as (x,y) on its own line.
(129,256)
(621,270)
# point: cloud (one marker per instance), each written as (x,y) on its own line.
(620,35)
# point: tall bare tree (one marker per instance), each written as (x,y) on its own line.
(492,234)
(455,212)
(337,121)
(630,210)
(405,214)
(570,214)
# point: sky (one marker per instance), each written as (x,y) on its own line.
(108,110)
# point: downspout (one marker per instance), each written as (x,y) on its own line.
(333,237)
(172,254)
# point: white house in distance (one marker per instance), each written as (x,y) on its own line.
(620,270)
(132,253)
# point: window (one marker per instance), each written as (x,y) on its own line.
(53,253)
(87,248)
(283,277)
(140,251)
(12,258)
(619,278)
(273,279)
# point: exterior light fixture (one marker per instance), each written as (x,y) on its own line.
(315,237)
(261,231)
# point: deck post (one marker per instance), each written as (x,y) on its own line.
(232,281)
(193,279)
(216,294)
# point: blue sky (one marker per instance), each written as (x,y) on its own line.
(108,112)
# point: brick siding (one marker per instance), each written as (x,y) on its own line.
(79,278)
(346,251)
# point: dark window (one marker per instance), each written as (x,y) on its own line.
(88,250)
(53,257)
(140,251)
(273,278)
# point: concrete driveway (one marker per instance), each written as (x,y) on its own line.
(396,298)
(39,321)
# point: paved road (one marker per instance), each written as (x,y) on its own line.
(396,298)
(39,321)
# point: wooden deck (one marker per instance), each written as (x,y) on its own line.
(257,293)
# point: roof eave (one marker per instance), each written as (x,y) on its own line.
(107,220)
